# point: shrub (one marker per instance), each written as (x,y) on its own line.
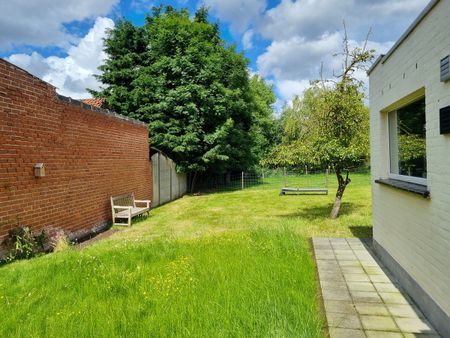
(22,243)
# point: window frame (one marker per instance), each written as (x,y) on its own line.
(411,179)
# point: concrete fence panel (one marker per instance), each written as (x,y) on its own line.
(168,185)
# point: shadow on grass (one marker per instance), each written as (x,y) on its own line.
(323,211)
(361,231)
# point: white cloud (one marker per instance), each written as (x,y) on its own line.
(304,34)
(40,22)
(296,61)
(311,18)
(398,7)
(238,13)
(247,42)
(74,73)
(34,63)
(298,58)
(380,47)
(289,88)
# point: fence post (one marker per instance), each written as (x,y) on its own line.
(242,181)
(326,177)
(284,177)
(306,169)
(171,183)
(159,178)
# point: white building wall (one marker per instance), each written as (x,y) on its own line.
(415,231)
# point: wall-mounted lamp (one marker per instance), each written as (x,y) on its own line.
(39,170)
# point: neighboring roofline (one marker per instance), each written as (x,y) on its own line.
(377,61)
(422,15)
(102,111)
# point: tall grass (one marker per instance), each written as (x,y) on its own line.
(255,283)
(232,264)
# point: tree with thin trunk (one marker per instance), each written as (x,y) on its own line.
(329,127)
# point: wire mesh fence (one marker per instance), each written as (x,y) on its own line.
(303,179)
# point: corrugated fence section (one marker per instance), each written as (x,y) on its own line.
(168,185)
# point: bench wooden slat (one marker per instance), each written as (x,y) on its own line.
(306,190)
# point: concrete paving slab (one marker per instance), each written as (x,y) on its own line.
(394,298)
(380,279)
(366,297)
(374,309)
(374,270)
(356,277)
(401,310)
(336,294)
(343,320)
(380,323)
(346,333)
(352,269)
(337,306)
(361,286)
(414,325)
(350,263)
(386,287)
(383,334)
(360,297)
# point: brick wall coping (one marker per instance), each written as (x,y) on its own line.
(103,111)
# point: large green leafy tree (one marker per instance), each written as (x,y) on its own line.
(264,130)
(330,125)
(178,75)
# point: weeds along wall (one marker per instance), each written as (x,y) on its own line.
(89,154)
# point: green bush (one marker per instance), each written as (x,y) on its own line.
(22,243)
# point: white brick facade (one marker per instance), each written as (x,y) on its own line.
(414,230)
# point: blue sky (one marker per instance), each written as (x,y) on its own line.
(286,41)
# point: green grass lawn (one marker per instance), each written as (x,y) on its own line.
(216,265)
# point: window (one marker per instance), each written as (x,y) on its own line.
(407,143)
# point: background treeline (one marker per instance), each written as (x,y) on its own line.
(212,117)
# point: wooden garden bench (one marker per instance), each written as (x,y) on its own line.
(124,207)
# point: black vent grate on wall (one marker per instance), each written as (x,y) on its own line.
(445,69)
(444,120)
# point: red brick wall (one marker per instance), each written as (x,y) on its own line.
(88,154)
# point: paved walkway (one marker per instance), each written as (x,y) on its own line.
(361,299)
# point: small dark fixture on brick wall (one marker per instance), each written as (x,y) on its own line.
(445,69)
(444,120)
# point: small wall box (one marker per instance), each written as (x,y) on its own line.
(39,170)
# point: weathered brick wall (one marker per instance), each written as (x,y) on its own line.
(89,155)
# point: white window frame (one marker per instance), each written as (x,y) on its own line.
(410,179)
(405,178)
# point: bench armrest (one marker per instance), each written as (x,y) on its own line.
(123,208)
(144,201)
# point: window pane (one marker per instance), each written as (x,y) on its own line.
(408,151)
(393,142)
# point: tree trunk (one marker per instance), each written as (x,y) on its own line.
(228,177)
(193,181)
(342,184)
